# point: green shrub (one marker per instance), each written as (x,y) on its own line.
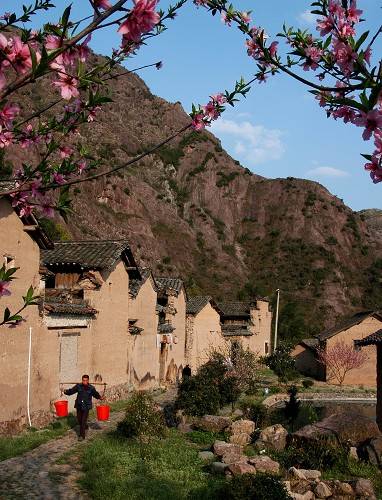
(198,396)
(255,411)
(255,487)
(143,420)
(307,383)
(282,363)
(204,437)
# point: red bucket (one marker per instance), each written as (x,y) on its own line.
(61,408)
(103,412)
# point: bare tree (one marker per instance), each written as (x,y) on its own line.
(340,359)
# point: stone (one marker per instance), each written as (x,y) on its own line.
(372,451)
(301,485)
(212,423)
(353,453)
(342,489)
(206,456)
(294,473)
(238,413)
(242,426)
(309,495)
(184,428)
(287,486)
(322,490)
(221,447)
(274,437)
(218,468)
(265,464)
(364,489)
(242,439)
(345,427)
(231,457)
(239,468)
(311,474)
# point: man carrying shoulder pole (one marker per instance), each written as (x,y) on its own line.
(85,393)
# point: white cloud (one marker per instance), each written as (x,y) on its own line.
(307,17)
(327,172)
(254,143)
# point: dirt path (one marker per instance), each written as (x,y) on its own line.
(37,475)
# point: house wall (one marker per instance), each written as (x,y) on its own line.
(14,342)
(261,318)
(366,375)
(306,362)
(174,354)
(143,349)
(109,332)
(203,334)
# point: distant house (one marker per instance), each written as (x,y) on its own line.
(248,322)
(357,327)
(86,310)
(203,330)
(171,308)
(143,345)
(20,244)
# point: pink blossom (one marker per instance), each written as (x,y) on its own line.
(53,42)
(35,186)
(344,56)
(313,55)
(367,54)
(82,164)
(102,4)
(26,210)
(219,99)
(210,111)
(348,114)
(225,19)
(92,113)
(8,114)
(68,85)
(47,210)
(58,178)
(142,19)
(345,29)
(66,151)
(254,50)
(20,55)
(372,121)
(335,8)
(273,49)
(6,139)
(353,13)
(245,17)
(325,25)
(4,288)
(198,122)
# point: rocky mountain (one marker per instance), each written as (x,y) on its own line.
(191,210)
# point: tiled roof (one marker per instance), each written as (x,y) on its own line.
(6,185)
(373,339)
(196,304)
(88,254)
(78,309)
(235,331)
(165,328)
(311,343)
(240,309)
(169,284)
(347,323)
(136,284)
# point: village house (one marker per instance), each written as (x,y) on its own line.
(249,323)
(357,327)
(203,330)
(20,244)
(86,308)
(171,308)
(143,341)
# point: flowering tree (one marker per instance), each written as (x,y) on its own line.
(348,86)
(340,359)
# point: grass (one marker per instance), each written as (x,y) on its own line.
(113,469)
(12,446)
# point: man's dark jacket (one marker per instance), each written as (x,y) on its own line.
(84,396)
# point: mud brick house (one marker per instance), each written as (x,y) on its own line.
(86,309)
(203,330)
(348,330)
(247,322)
(143,345)
(20,245)
(171,308)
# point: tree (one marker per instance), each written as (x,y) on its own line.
(340,359)
(281,363)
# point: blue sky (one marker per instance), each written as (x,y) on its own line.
(279,130)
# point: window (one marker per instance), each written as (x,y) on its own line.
(266,348)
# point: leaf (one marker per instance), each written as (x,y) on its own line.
(65,17)
(361,39)
(7,314)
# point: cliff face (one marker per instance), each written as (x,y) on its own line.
(191,210)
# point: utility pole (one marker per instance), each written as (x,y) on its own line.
(277,319)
